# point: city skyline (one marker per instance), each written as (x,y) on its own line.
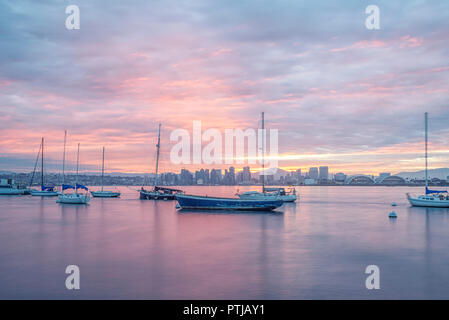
(339,94)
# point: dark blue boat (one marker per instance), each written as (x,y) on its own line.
(214,203)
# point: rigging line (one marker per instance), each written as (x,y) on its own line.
(35,164)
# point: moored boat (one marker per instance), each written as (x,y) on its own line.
(45,191)
(432,198)
(217,203)
(104,193)
(9,187)
(72,198)
(270,194)
(158,193)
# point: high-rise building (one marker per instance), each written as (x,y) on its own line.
(313,173)
(186,177)
(232,176)
(324,173)
(215,176)
(246,174)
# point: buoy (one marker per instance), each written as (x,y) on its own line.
(394,204)
(393,214)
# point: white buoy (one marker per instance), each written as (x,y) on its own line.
(393,214)
(394,204)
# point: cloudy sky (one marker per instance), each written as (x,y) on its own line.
(339,94)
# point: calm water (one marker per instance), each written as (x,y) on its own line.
(315,249)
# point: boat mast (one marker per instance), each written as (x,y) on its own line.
(77,161)
(102,172)
(426,128)
(157,154)
(63,161)
(263,152)
(42,164)
(35,164)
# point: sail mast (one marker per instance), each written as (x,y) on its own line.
(426,128)
(42,164)
(77,161)
(63,161)
(102,172)
(263,152)
(157,154)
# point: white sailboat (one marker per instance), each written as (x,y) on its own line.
(104,193)
(432,198)
(268,193)
(48,191)
(72,198)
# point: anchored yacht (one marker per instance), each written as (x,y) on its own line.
(432,198)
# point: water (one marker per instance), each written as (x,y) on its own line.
(315,249)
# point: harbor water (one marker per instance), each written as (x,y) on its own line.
(317,248)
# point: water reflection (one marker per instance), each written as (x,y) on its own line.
(316,248)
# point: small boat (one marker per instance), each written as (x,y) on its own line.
(104,193)
(270,194)
(9,187)
(72,198)
(217,203)
(45,191)
(158,193)
(432,198)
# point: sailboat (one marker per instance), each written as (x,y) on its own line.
(48,191)
(158,193)
(72,198)
(268,193)
(432,198)
(104,193)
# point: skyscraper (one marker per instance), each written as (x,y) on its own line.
(324,173)
(246,175)
(313,173)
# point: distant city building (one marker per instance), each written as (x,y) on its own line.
(383,175)
(246,175)
(215,176)
(391,180)
(324,173)
(360,179)
(340,177)
(313,173)
(309,181)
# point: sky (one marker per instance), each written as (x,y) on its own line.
(339,94)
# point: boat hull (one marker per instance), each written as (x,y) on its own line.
(105,194)
(44,193)
(209,203)
(73,198)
